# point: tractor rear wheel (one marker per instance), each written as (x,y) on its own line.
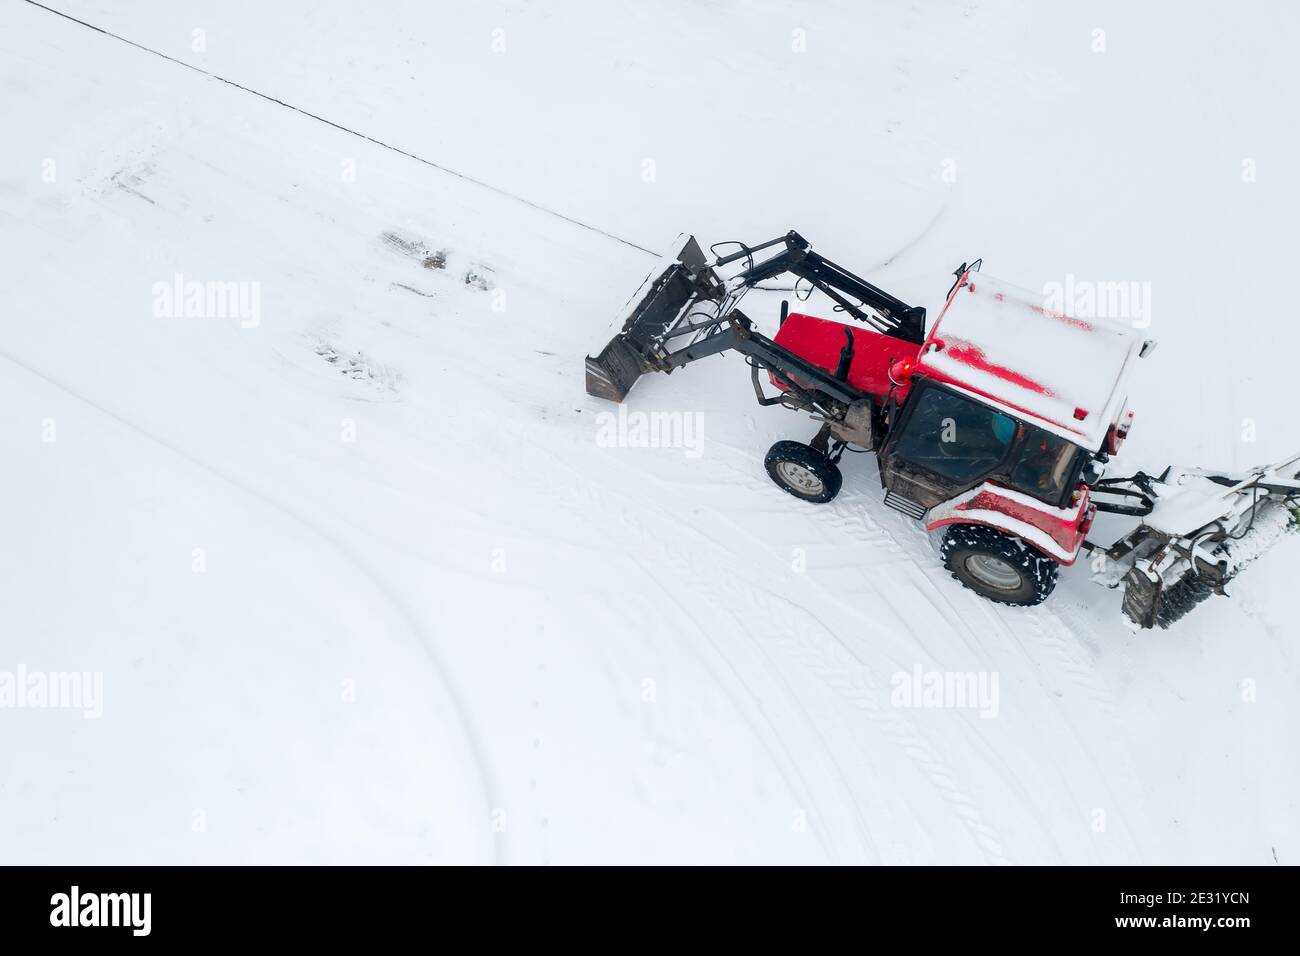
(803,471)
(998,566)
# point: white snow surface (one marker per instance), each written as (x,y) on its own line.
(361,582)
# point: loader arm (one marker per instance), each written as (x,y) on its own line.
(765,355)
(685,297)
(889,315)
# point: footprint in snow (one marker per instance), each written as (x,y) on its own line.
(359,368)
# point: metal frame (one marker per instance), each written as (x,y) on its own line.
(892,316)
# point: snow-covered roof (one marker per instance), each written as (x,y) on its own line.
(1002,345)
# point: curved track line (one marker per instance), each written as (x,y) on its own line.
(460,712)
(910,244)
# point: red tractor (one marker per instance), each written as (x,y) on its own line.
(992,427)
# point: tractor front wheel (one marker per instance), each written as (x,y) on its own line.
(998,566)
(803,471)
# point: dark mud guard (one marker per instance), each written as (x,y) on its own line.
(1141,598)
(681,279)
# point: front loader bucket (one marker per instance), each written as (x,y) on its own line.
(613,372)
(680,280)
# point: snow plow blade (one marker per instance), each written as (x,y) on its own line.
(1202,530)
(656,312)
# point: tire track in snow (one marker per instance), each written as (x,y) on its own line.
(1051,635)
(586,497)
(849,514)
(845,674)
(586,500)
(865,693)
(826,657)
(460,713)
(862,695)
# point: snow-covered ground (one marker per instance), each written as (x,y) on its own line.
(360,575)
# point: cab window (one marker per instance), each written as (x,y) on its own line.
(954,437)
(1044,465)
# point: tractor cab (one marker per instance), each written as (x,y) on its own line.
(946,442)
(1007,403)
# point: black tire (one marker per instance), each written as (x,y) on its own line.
(998,566)
(803,471)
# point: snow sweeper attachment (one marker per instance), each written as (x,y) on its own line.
(1198,530)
